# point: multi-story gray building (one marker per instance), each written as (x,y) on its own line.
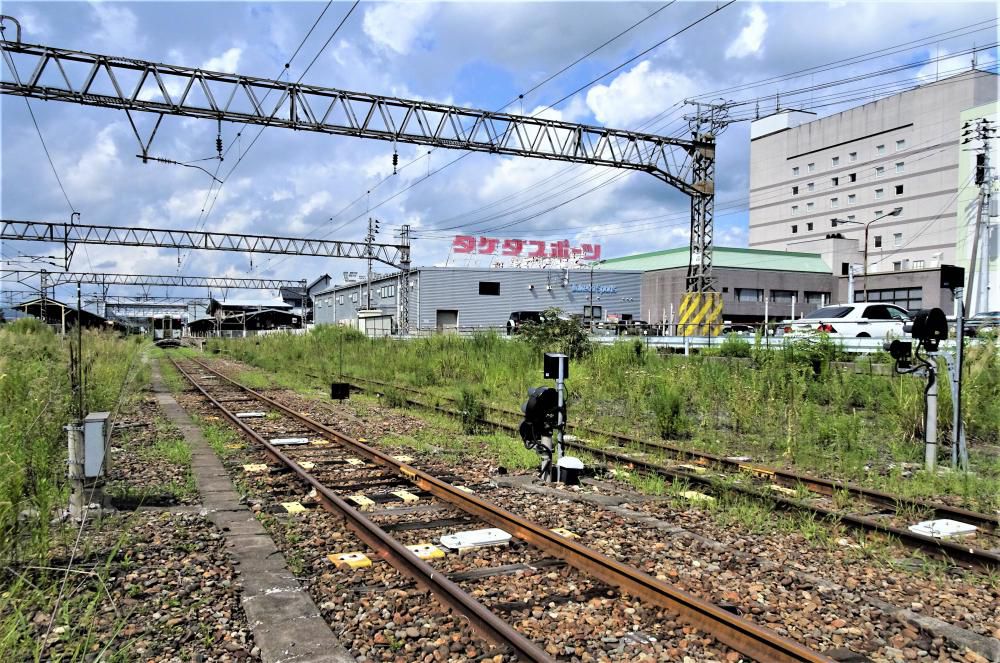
(450,298)
(810,177)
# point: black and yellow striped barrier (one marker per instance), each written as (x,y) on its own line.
(700,314)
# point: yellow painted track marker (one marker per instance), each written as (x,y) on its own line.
(426,551)
(320,443)
(466,489)
(352,560)
(697,469)
(781,489)
(293,507)
(565,533)
(307,465)
(363,502)
(695,496)
(235,446)
(403,459)
(355,461)
(255,468)
(762,472)
(406,496)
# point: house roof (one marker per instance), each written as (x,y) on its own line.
(250,303)
(732,258)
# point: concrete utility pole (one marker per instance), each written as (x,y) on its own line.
(369,240)
(978,290)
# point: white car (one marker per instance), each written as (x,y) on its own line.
(864,320)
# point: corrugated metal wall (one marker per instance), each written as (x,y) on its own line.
(457,289)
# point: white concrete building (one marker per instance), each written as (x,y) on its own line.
(812,177)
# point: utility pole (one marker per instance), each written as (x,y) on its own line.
(403,296)
(369,240)
(978,291)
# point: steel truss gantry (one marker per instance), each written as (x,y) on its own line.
(138,85)
(107,279)
(395,255)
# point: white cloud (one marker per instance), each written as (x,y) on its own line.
(92,177)
(637,94)
(118,28)
(751,37)
(227,62)
(397,25)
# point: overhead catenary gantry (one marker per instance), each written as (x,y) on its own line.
(396,255)
(172,280)
(138,85)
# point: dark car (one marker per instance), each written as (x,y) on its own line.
(982,323)
(518,318)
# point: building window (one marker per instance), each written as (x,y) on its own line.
(853,156)
(340,299)
(354,298)
(835,161)
(795,210)
(795,229)
(850,217)
(489,288)
(810,167)
(900,166)
(900,144)
(820,298)
(834,203)
(880,149)
(908,298)
(897,266)
(810,186)
(835,181)
(878,212)
(851,199)
(879,194)
(809,225)
(878,241)
(810,206)
(795,190)
(783,296)
(918,264)
(833,223)
(897,240)
(749,295)
(853,177)
(879,171)
(795,171)
(899,189)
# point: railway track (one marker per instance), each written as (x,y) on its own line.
(767,483)
(348,476)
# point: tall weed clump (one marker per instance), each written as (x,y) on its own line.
(35,404)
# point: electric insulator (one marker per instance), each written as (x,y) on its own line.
(395,162)
(218,144)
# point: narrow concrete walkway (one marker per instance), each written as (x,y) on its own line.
(286,623)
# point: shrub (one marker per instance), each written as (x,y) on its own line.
(472,411)
(734,346)
(667,405)
(556,333)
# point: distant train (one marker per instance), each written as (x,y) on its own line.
(167,326)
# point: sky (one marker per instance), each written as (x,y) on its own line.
(472,54)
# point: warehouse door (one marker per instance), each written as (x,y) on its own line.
(447,321)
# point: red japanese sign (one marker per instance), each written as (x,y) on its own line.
(528,248)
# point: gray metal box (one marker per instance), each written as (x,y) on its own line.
(94,445)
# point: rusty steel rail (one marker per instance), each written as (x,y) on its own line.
(406,562)
(970,556)
(786,478)
(738,633)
